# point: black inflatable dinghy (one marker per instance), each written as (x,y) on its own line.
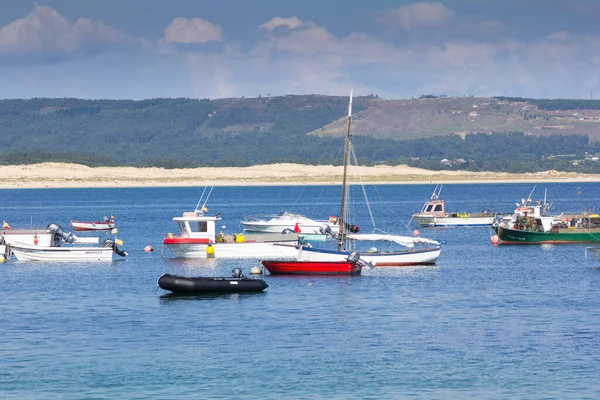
(236,284)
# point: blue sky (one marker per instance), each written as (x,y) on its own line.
(136,49)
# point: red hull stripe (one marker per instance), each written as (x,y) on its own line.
(185,241)
(311,267)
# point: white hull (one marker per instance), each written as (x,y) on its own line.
(256,227)
(26,236)
(381,259)
(454,221)
(92,226)
(41,253)
(260,251)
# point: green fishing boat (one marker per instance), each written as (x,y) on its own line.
(555,235)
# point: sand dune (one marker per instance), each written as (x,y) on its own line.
(60,175)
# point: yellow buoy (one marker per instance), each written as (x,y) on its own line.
(239,238)
(210,250)
(119,242)
(2,258)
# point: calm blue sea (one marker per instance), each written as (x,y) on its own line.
(486,322)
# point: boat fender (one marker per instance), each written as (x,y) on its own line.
(35,240)
(256,270)
(210,250)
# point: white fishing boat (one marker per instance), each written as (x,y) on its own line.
(26,252)
(434,213)
(64,247)
(411,250)
(106,224)
(288,221)
(198,238)
(30,236)
(43,237)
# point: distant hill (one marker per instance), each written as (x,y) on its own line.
(305,129)
(426,117)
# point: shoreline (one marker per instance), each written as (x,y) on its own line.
(62,175)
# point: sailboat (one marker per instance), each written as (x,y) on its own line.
(416,251)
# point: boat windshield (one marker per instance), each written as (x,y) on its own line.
(193,226)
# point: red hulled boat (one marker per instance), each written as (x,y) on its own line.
(352,266)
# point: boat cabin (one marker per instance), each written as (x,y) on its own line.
(435,208)
(194,224)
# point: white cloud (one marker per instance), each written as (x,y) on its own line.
(277,22)
(195,30)
(308,39)
(44,32)
(417,15)
(562,35)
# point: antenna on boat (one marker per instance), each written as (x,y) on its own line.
(530,193)
(202,197)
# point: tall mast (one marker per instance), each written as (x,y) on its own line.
(341,236)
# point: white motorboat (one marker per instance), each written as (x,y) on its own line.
(26,252)
(434,213)
(197,238)
(30,236)
(72,251)
(288,221)
(36,237)
(105,225)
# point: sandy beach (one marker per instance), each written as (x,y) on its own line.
(60,175)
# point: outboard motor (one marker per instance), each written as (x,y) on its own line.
(353,257)
(58,234)
(326,230)
(111,243)
(237,273)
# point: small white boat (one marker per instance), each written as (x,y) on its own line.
(26,252)
(413,251)
(198,239)
(434,213)
(106,224)
(31,236)
(287,221)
